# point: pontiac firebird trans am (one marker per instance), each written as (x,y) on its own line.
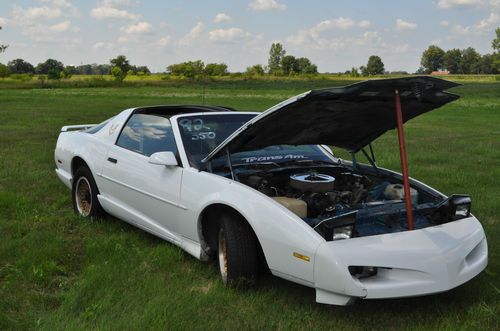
(264,191)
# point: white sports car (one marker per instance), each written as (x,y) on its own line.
(263,190)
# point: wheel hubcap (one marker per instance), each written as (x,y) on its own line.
(223,256)
(83,196)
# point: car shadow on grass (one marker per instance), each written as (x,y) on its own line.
(461,303)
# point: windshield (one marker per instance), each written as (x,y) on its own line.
(202,133)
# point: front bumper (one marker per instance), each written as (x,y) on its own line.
(410,263)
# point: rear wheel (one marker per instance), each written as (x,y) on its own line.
(84,192)
(238,251)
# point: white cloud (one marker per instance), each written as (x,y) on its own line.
(113,9)
(60,27)
(101,13)
(99,45)
(484,26)
(461,30)
(163,42)
(402,25)
(364,24)
(488,23)
(369,42)
(448,4)
(3,21)
(195,32)
(230,35)
(139,28)
(58,3)
(38,24)
(313,34)
(337,23)
(118,3)
(444,23)
(221,17)
(66,6)
(24,16)
(265,5)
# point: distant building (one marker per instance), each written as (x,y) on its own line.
(440,73)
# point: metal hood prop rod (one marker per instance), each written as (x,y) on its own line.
(404,161)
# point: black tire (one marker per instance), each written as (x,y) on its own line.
(238,251)
(84,194)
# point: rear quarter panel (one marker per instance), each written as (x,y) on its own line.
(92,148)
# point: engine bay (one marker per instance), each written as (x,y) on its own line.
(340,203)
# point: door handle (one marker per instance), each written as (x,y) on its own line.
(110,159)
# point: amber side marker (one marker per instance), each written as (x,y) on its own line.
(302,257)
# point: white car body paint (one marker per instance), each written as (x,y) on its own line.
(168,202)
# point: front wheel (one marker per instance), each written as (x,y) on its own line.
(84,192)
(238,251)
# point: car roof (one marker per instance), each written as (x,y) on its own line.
(171,110)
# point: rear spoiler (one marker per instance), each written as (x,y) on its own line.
(77,127)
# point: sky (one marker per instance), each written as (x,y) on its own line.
(335,35)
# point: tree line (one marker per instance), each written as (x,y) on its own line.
(462,61)
(434,58)
(55,69)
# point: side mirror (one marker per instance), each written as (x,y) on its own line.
(163,158)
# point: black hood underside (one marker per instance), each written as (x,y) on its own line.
(348,117)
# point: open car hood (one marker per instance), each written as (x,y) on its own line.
(348,117)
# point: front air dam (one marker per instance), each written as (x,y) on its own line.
(411,263)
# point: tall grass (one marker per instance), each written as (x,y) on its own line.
(60,272)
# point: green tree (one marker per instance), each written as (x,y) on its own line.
(375,66)
(496,61)
(189,69)
(3,47)
(118,73)
(216,69)
(255,70)
(85,69)
(452,61)
(121,63)
(432,59)
(495,44)
(50,65)
(144,69)
(69,71)
(486,65)
(19,66)
(471,61)
(306,67)
(354,72)
(276,54)
(363,70)
(289,65)
(54,74)
(4,71)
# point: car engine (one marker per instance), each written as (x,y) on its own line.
(330,198)
(322,193)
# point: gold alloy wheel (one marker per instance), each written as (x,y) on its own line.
(223,256)
(83,196)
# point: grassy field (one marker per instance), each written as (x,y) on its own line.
(58,271)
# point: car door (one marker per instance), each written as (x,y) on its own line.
(149,193)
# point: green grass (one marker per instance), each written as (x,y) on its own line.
(160,79)
(58,271)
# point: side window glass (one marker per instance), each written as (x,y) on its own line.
(147,134)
